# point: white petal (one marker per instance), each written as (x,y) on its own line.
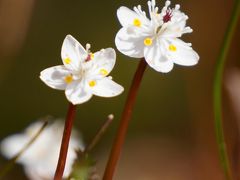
(40,159)
(72,53)
(184,55)
(107,88)
(54,77)
(77,92)
(32,173)
(157,59)
(12,145)
(103,62)
(172,30)
(129,43)
(126,17)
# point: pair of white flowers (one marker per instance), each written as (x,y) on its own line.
(155,38)
(41,158)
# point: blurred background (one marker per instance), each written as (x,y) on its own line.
(171,134)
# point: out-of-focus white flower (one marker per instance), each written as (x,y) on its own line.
(156,39)
(83,73)
(40,159)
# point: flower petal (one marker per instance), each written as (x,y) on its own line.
(54,77)
(127,16)
(157,59)
(106,88)
(72,53)
(129,43)
(184,54)
(13,144)
(103,62)
(77,92)
(172,30)
(32,172)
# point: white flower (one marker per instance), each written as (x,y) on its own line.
(156,39)
(83,73)
(40,159)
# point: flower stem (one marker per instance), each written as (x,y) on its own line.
(218,90)
(65,142)
(126,115)
(99,134)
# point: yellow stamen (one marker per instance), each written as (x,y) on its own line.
(92,83)
(172,48)
(137,22)
(67,60)
(148,41)
(91,55)
(68,79)
(104,72)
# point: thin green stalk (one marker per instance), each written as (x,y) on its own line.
(99,134)
(218,90)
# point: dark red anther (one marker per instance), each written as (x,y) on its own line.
(167,16)
(88,58)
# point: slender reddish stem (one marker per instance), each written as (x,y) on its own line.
(65,142)
(126,115)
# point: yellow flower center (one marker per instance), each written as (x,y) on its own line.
(68,79)
(172,48)
(137,22)
(104,72)
(67,60)
(148,41)
(92,83)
